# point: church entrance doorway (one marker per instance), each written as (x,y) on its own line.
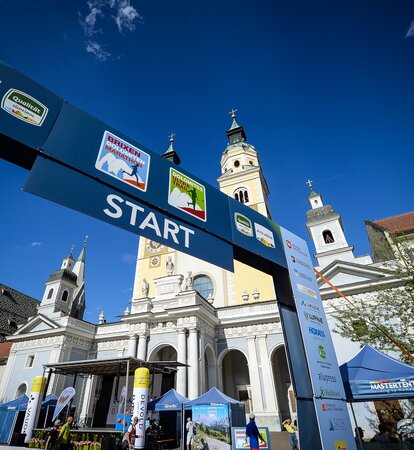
(163,382)
(282,381)
(236,379)
(210,369)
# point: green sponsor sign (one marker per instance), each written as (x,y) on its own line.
(187,195)
(24,107)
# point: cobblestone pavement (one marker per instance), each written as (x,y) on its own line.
(279,441)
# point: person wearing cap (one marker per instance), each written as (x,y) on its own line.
(252,432)
(129,435)
(52,436)
(291,429)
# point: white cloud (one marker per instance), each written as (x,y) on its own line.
(35,244)
(128,258)
(126,16)
(122,12)
(97,50)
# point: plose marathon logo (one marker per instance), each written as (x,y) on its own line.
(122,160)
(24,107)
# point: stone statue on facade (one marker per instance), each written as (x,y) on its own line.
(169,266)
(145,288)
(189,281)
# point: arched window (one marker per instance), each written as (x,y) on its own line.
(21,390)
(65,296)
(328,237)
(50,293)
(203,285)
(241,195)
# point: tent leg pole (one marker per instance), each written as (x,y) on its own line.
(126,396)
(356,427)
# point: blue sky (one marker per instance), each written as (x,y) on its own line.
(324,90)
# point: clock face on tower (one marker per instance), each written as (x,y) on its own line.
(153,246)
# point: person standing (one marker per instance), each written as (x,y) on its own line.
(64,435)
(291,429)
(253,433)
(190,428)
(129,436)
(52,436)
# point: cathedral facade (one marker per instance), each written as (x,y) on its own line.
(224,326)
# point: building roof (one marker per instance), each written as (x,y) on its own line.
(398,224)
(4,351)
(15,309)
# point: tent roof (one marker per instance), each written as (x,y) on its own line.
(210,397)
(170,401)
(14,404)
(111,366)
(48,401)
(369,367)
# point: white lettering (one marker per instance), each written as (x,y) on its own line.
(151,222)
(118,210)
(134,209)
(171,228)
(187,233)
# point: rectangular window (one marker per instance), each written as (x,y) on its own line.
(30,360)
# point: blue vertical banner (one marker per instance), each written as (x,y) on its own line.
(328,390)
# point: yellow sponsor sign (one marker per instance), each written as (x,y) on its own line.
(39,384)
(141,378)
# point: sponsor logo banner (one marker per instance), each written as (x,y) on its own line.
(331,410)
(123,161)
(187,195)
(24,107)
(243,224)
(264,235)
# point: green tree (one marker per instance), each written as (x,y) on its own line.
(388,311)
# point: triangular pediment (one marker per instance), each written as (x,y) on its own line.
(36,324)
(346,274)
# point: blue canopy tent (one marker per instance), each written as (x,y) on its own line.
(217,411)
(8,416)
(372,375)
(171,401)
(9,413)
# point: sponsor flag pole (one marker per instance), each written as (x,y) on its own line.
(33,407)
(368,319)
(140,399)
(64,398)
(124,424)
(356,426)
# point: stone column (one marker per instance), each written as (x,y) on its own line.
(142,347)
(254,375)
(268,380)
(182,358)
(193,381)
(132,346)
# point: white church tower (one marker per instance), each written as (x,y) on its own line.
(64,293)
(327,232)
